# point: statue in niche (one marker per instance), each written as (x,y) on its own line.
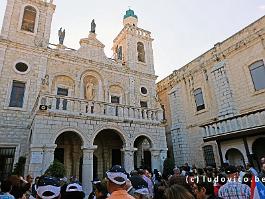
(61,35)
(93,26)
(90,90)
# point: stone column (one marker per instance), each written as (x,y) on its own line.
(128,159)
(179,131)
(163,156)
(155,159)
(223,92)
(48,156)
(87,169)
(2,58)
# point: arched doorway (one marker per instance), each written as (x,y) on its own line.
(68,152)
(108,152)
(235,157)
(258,150)
(142,157)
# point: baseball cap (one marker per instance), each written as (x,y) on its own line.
(95,180)
(117,175)
(140,185)
(48,187)
(72,187)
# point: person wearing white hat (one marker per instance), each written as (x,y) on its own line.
(74,190)
(116,183)
(48,188)
(140,187)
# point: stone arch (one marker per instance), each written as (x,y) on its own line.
(150,140)
(97,80)
(117,91)
(75,130)
(118,130)
(142,155)
(23,24)
(235,157)
(109,144)
(65,81)
(69,144)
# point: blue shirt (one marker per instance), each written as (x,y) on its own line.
(234,190)
(6,196)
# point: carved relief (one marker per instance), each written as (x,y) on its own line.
(45,80)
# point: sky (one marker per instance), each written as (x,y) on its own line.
(182,29)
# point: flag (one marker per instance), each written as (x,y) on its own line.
(257,188)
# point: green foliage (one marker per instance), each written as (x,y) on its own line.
(19,166)
(169,165)
(56,169)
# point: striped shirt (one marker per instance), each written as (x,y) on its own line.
(234,190)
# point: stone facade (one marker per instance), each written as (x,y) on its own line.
(230,125)
(77,105)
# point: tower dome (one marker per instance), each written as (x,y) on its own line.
(130,18)
(130,13)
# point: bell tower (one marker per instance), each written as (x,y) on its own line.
(133,45)
(28,21)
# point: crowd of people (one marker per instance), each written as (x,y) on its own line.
(185,183)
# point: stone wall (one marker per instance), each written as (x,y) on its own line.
(224,77)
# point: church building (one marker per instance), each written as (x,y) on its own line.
(77,106)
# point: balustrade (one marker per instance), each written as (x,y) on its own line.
(70,105)
(234,124)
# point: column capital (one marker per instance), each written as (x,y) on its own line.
(89,148)
(131,149)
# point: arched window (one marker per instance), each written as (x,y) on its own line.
(29,19)
(257,71)
(199,99)
(141,52)
(119,52)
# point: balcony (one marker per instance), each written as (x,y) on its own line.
(100,110)
(244,123)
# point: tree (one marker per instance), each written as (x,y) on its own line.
(19,166)
(56,169)
(169,165)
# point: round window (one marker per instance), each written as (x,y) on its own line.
(21,67)
(143,90)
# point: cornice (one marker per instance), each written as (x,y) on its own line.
(72,58)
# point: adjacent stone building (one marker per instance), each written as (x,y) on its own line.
(215,105)
(77,106)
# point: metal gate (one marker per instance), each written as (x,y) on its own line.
(6,161)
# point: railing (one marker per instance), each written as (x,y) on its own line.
(235,124)
(76,106)
(48,1)
(138,31)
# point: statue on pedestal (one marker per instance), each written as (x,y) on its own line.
(61,35)
(93,26)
